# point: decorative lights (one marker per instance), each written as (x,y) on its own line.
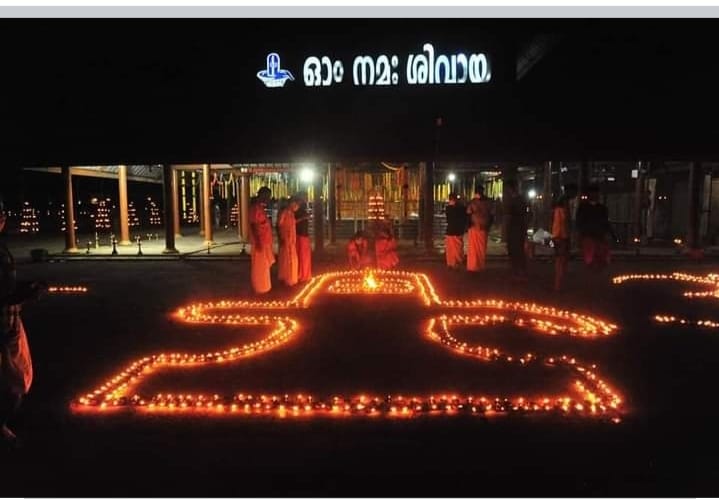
(710,280)
(28,219)
(588,394)
(67,289)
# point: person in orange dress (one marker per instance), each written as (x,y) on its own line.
(561,232)
(288,267)
(386,247)
(479,210)
(357,251)
(262,255)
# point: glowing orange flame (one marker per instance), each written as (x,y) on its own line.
(370,283)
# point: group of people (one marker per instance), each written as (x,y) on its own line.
(294,258)
(359,247)
(477,217)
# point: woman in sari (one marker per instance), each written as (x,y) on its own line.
(288,264)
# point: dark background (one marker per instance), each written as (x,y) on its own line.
(143,91)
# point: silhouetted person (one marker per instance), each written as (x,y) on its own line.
(594,228)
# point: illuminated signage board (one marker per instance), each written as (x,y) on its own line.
(385,70)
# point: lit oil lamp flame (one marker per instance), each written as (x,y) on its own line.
(370,283)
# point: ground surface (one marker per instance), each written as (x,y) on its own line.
(661,447)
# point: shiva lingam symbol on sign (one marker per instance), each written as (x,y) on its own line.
(274,75)
(588,395)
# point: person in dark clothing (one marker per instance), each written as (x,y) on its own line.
(515,229)
(456,215)
(593,228)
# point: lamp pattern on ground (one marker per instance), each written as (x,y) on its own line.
(710,281)
(67,289)
(588,394)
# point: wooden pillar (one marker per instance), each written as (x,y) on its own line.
(167,209)
(696,179)
(332,201)
(175,204)
(547,196)
(244,214)
(206,208)
(70,241)
(427,205)
(124,223)
(318,213)
(201,207)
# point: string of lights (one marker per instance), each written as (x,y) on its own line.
(710,280)
(588,395)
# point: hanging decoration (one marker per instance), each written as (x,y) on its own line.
(101,216)
(62,220)
(132,219)
(153,213)
(29,223)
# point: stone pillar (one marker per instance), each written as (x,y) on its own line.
(581,177)
(696,180)
(509,172)
(639,195)
(124,224)
(318,214)
(332,201)
(175,204)
(70,241)
(167,209)
(206,207)
(547,196)
(427,187)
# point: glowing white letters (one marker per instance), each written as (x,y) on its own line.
(425,68)
(322,72)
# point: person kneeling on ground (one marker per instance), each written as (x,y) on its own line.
(386,247)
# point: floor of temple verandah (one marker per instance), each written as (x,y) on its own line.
(661,447)
(226,244)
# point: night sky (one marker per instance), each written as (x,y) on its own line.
(153,91)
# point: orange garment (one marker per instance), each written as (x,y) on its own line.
(386,253)
(288,266)
(560,222)
(304,256)
(357,254)
(454,250)
(476,249)
(261,254)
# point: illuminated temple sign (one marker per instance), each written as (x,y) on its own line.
(426,68)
